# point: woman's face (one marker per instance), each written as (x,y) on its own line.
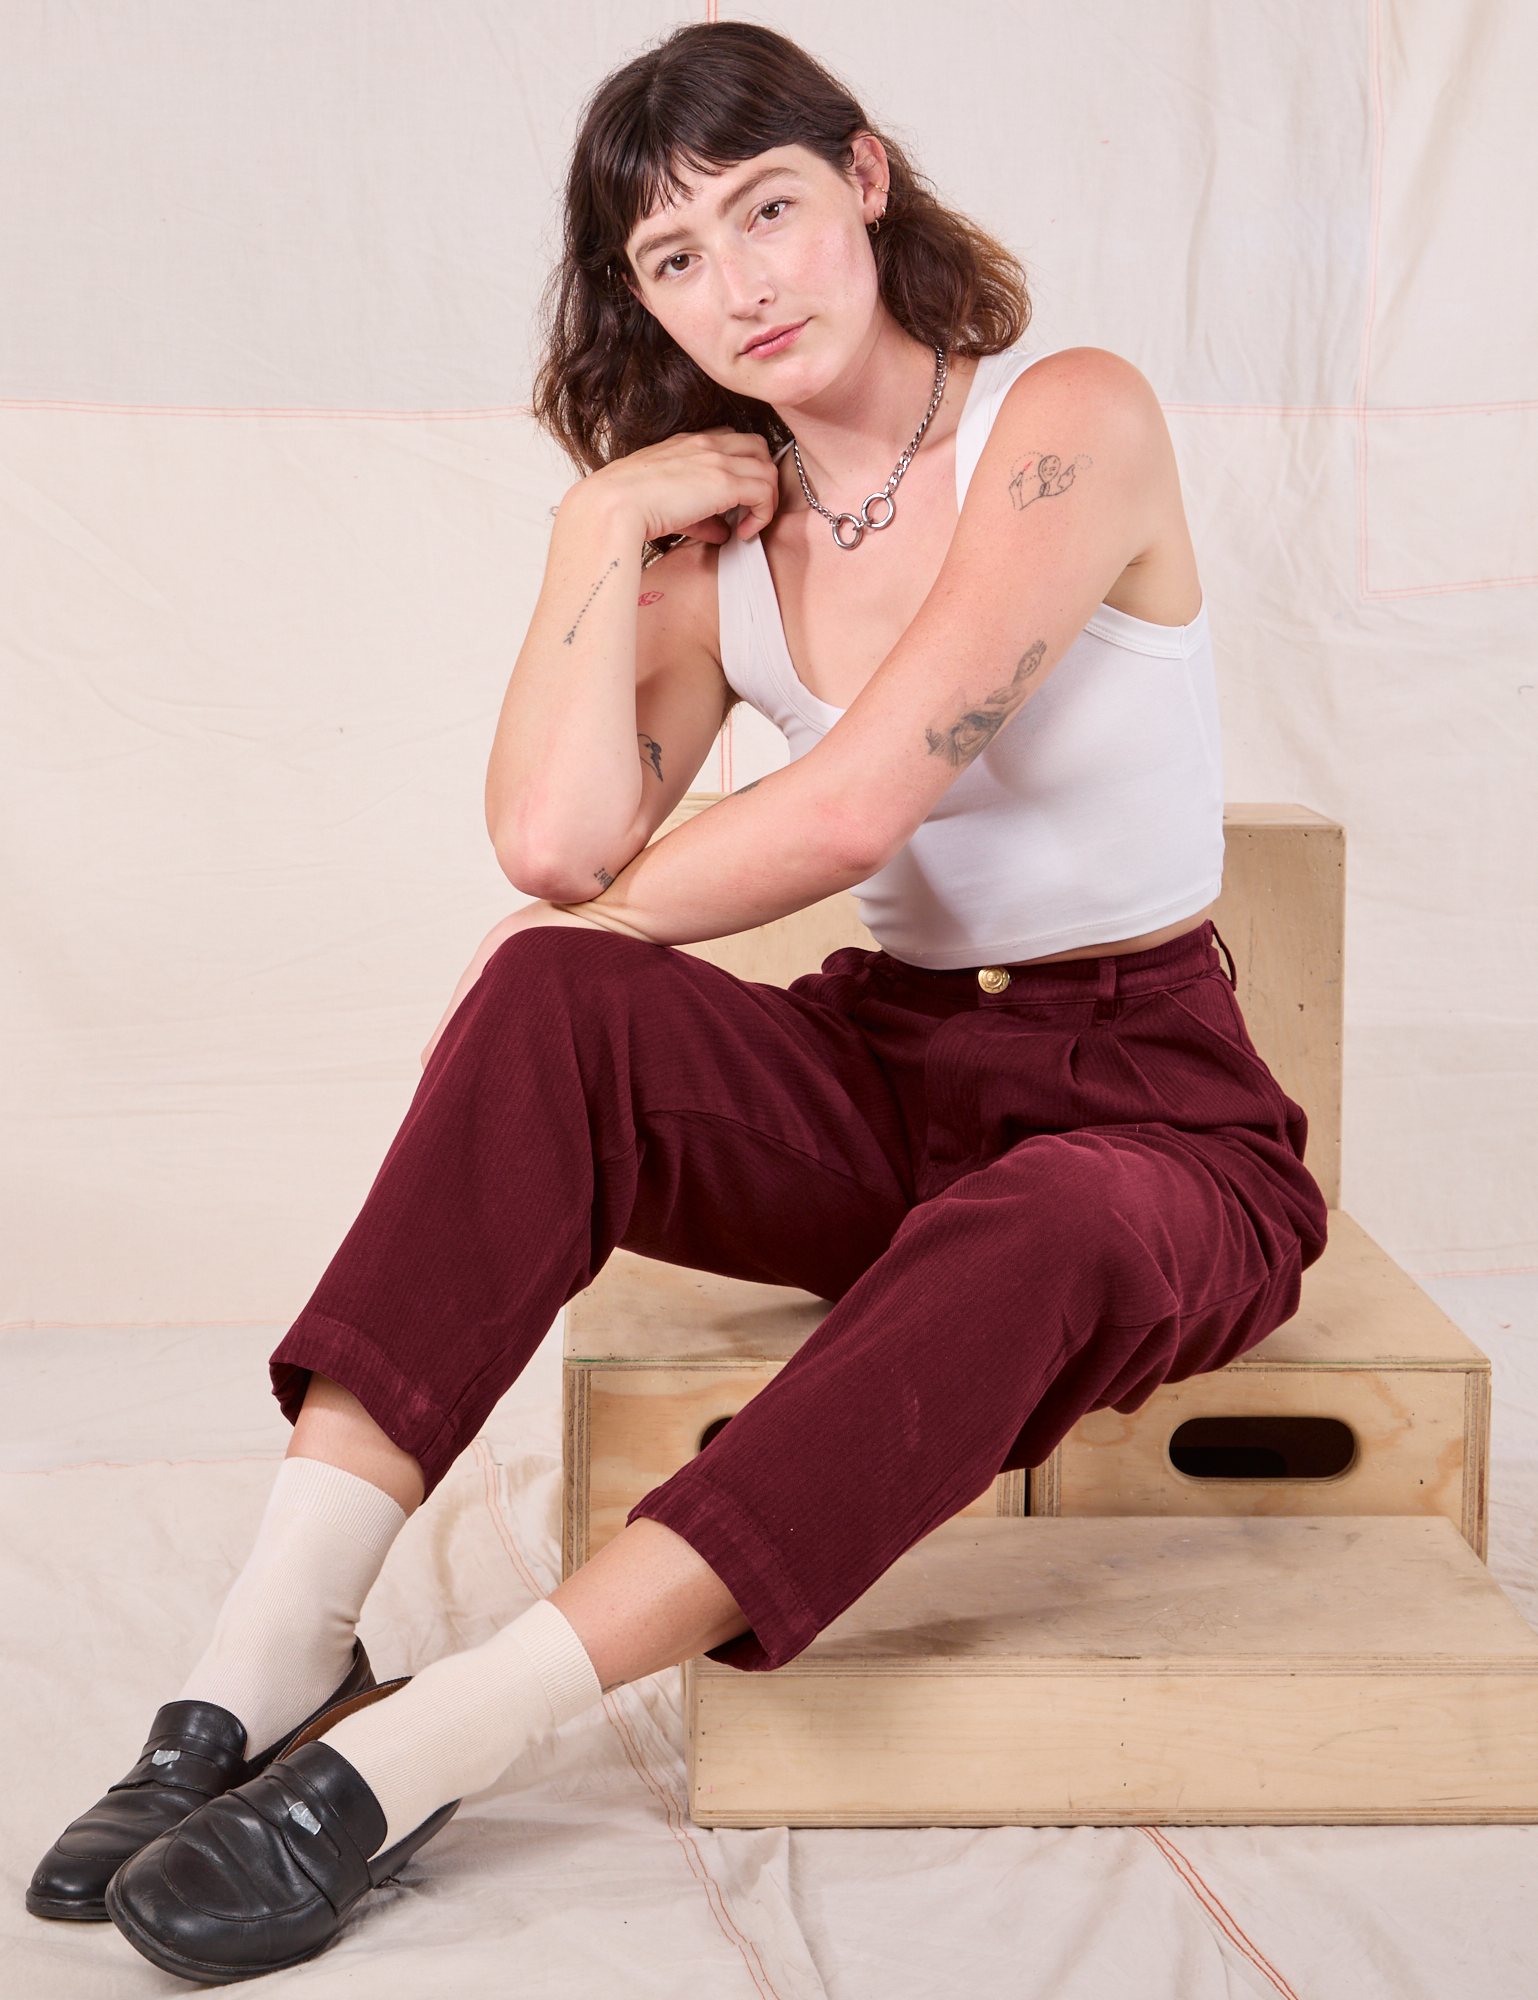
(763,273)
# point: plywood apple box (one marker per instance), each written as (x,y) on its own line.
(1370,1401)
(1113,1672)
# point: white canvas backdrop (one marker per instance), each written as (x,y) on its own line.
(271,521)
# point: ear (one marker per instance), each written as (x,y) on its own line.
(871,175)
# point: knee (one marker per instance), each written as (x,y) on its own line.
(557,963)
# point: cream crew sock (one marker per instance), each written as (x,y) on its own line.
(283,1640)
(457,1726)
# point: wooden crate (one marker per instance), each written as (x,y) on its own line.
(1368,1350)
(1176,1672)
(655,1355)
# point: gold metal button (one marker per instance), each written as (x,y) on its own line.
(993,979)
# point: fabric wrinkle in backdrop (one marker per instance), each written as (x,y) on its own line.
(272,518)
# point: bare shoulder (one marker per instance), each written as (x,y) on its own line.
(1092,399)
(1086,423)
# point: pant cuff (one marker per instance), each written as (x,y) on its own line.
(744,1556)
(315,1345)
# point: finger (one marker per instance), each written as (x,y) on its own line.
(746,444)
(758,513)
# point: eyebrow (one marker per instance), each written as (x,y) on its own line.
(728,201)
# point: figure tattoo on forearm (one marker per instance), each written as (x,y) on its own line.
(651,753)
(975,728)
(1042,476)
(590,596)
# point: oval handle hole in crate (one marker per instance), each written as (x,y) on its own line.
(711,1431)
(1262,1447)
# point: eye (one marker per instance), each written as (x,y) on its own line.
(674,265)
(780,202)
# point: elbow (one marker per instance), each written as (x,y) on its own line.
(861,842)
(555,856)
(544,873)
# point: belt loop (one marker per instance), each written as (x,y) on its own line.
(1230,971)
(1105,985)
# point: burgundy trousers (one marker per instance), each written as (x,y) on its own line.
(1027,1205)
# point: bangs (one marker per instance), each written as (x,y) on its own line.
(670,121)
(654,177)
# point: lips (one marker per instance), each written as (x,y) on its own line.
(773,338)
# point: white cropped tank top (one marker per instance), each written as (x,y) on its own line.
(1095,814)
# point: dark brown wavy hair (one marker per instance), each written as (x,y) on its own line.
(706,98)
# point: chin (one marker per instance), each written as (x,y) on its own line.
(803,372)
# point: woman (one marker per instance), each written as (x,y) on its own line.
(1027,1147)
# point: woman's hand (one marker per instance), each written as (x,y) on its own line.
(689,485)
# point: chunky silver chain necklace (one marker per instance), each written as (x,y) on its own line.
(858,523)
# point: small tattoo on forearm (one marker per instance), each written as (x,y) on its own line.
(649,597)
(976,728)
(1042,476)
(651,753)
(603,878)
(590,596)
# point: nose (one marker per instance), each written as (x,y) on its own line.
(745,284)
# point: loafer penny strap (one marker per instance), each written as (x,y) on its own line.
(193,1746)
(326,1817)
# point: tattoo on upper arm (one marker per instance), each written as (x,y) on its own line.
(649,597)
(590,596)
(603,878)
(1042,476)
(651,753)
(747,787)
(976,728)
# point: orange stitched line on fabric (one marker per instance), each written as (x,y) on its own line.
(123,1325)
(1375,76)
(221,410)
(303,412)
(714,1895)
(1445,589)
(1491,1271)
(1187,1872)
(1344,409)
(484,1459)
(123,1465)
(671,1807)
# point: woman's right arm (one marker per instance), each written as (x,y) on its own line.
(613,704)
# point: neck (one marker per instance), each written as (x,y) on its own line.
(855,428)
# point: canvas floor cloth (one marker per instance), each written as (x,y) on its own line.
(123,1515)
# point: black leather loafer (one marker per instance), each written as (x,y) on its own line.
(264,1876)
(195,1752)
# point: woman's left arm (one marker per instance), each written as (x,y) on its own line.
(1076,483)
